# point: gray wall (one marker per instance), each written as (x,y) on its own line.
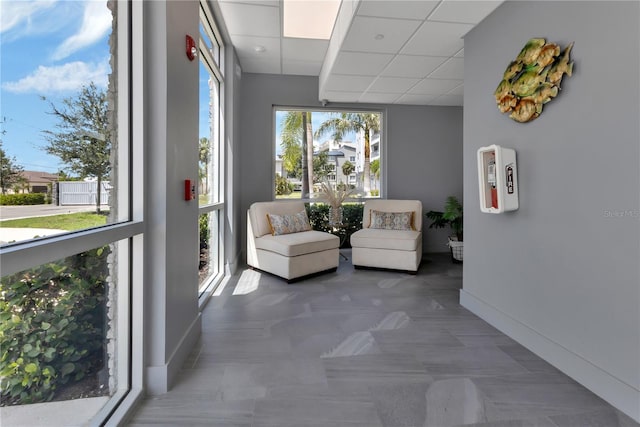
(423,154)
(172,316)
(561,274)
(172,319)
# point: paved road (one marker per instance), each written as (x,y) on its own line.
(15,212)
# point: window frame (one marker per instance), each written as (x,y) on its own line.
(215,66)
(127,233)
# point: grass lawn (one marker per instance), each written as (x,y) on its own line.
(293,195)
(69,222)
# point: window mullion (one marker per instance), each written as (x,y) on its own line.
(30,254)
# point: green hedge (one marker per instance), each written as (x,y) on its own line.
(52,326)
(351,220)
(22,199)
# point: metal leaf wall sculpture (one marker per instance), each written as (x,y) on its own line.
(533,79)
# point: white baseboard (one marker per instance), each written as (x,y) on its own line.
(615,391)
(159,379)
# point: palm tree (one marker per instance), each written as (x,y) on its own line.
(344,123)
(348,168)
(308,138)
(297,138)
(375,170)
(203,169)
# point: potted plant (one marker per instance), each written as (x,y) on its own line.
(334,197)
(452,217)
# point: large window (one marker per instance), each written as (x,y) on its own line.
(341,149)
(65,290)
(211,190)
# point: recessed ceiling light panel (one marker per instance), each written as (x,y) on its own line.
(310,19)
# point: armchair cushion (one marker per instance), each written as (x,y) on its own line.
(295,244)
(402,240)
(382,205)
(392,220)
(288,223)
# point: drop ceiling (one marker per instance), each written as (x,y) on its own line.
(380,51)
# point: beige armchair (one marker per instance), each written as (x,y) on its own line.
(391,235)
(292,255)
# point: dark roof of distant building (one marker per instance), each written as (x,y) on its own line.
(38,176)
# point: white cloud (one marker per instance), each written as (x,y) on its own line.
(63,78)
(96,22)
(13,13)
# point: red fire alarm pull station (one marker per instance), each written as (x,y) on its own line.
(192,50)
(189,190)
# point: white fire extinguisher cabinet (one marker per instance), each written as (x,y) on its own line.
(498,179)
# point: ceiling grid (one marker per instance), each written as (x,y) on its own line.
(391,51)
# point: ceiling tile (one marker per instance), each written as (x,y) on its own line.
(437,39)
(412,99)
(304,49)
(245,47)
(251,20)
(379,98)
(449,100)
(359,63)
(456,91)
(434,86)
(301,68)
(469,12)
(413,66)
(397,85)
(363,30)
(418,61)
(269,66)
(396,9)
(453,68)
(337,82)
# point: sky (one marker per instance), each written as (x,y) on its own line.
(48,49)
(51,48)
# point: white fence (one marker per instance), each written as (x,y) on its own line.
(82,193)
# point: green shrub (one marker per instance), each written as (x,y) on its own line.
(22,199)
(374,193)
(283,187)
(52,329)
(351,220)
(205,235)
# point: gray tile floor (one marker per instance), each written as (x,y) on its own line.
(364,348)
